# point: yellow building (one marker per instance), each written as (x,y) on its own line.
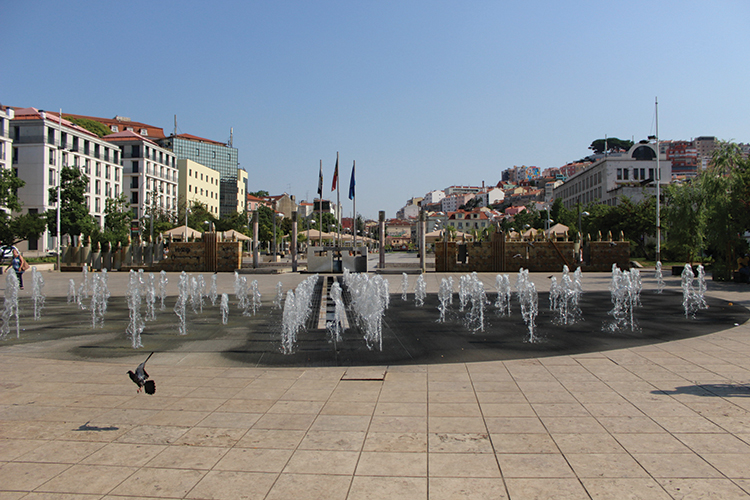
(198,184)
(241,190)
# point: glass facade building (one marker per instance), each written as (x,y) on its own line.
(214,155)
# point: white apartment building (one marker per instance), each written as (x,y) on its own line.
(434,197)
(614,176)
(198,184)
(42,143)
(149,173)
(490,196)
(6,144)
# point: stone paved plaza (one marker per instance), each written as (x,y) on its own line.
(667,420)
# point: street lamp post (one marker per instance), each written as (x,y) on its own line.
(59,187)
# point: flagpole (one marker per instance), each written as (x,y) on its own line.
(338,201)
(320,205)
(354,208)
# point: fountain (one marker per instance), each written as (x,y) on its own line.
(565,298)
(444,298)
(404,286)
(254,298)
(659,278)
(279,296)
(474,319)
(213,293)
(72,291)
(11,306)
(37,293)
(104,277)
(196,295)
(463,291)
(163,280)
(420,291)
(151,298)
(529,300)
(625,292)
(297,309)
(183,291)
(336,327)
(381,335)
(502,303)
(240,291)
(224,308)
(369,300)
(136,325)
(693,297)
(97,301)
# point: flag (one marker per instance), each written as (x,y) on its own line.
(351,183)
(335,174)
(320,182)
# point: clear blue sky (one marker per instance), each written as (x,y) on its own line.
(422,94)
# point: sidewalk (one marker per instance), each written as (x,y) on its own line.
(670,420)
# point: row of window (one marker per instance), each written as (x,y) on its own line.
(166,203)
(210,179)
(102,152)
(210,194)
(168,174)
(623,174)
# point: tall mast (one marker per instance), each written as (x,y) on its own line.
(658,187)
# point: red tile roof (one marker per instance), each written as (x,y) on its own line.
(35,114)
(151,131)
(127,135)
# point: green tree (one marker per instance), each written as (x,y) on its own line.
(725,186)
(21,227)
(685,219)
(259,194)
(94,126)
(613,144)
(237,221)
(117,221)
(330,224)
(75,218)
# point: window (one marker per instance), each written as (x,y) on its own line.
(643,174)
(619,174)
(15,155)
(51,177)
(134,197)
(98,189)
(136,166)
(50,135)
(114,128)
(88,166)
(107,171)
(190,188)
(144,131)
(51,156)
(98,205)
(98,169)
(625,173)
(135,151)
(197,151)
(108,189)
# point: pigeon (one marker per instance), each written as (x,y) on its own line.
(140,378)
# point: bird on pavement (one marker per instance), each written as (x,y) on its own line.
(140,378)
